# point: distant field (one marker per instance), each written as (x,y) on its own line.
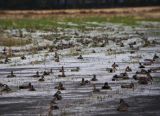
(47,19)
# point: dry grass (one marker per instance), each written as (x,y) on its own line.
(137,11)
(13,42)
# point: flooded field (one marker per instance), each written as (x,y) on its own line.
(75,71)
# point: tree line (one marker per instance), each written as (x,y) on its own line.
(66,4)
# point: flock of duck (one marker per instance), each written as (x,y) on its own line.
(123,106)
